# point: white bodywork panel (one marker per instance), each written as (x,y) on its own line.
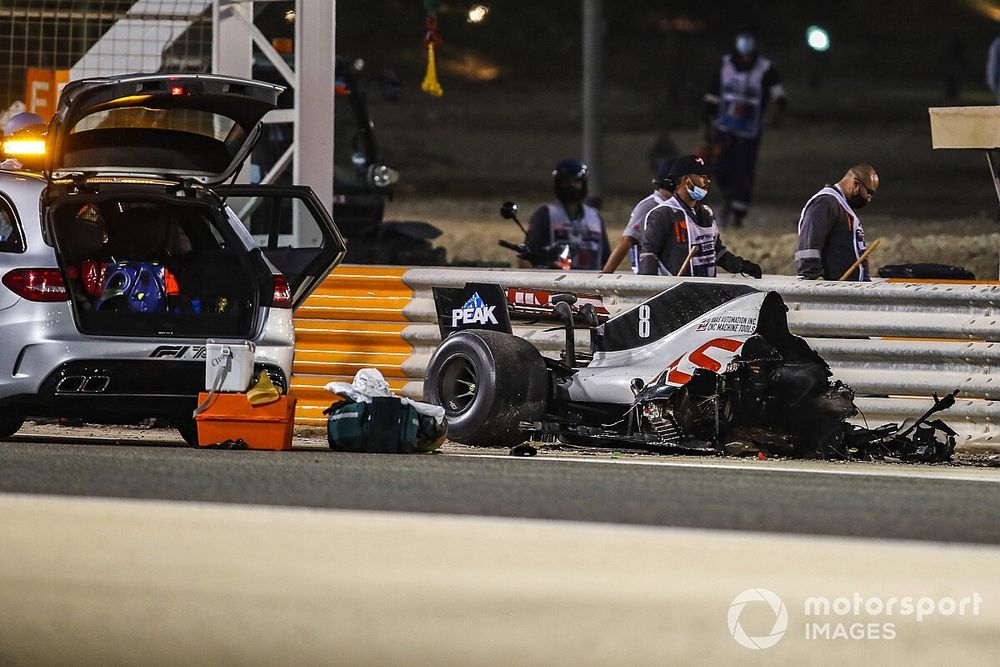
(711,341)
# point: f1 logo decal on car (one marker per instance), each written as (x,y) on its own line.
(178,352)
(475,311)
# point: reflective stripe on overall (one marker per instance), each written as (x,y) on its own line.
(703,261)
(583,235)
(857,231)
(742,97)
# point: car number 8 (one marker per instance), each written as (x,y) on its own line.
(644,321)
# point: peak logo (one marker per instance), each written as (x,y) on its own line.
(475,311)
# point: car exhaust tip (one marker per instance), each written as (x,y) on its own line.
(87,384)
(70,384)
(96,384)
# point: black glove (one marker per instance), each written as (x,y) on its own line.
(748,268)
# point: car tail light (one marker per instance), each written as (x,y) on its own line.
(282,293)
(37,284)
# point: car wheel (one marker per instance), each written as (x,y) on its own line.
(487,382)
(188,428)
(10,424)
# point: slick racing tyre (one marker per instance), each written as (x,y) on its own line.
(487,382)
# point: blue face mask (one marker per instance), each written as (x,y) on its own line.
(697,193)
(744,45)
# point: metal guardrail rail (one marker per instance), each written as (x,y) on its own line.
(895,343)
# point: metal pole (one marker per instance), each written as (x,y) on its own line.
(232,47)
(314,67)
(994,164)
(593,52)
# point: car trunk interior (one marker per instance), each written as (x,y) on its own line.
(145,265)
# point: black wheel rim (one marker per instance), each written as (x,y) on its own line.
(458,386)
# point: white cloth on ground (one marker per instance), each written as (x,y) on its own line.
(369,383)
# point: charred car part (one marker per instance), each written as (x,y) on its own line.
(699,368)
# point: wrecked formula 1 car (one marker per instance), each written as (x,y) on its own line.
(699,368)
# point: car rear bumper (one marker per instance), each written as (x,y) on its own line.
(121,390)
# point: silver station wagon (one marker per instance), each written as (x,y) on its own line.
(125,247)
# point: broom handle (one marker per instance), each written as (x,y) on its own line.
(857,263)
(691,252)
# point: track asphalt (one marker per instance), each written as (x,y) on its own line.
(935,503)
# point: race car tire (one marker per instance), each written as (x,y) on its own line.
(487,381)
(10,424)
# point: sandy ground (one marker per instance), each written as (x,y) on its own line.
(471,229)
(461,155)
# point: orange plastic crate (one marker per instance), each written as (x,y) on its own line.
(231,417)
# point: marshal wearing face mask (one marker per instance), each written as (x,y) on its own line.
(569,221)
(681,237)
(831,237)
(735,104)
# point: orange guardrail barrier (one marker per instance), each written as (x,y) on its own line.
(353,320)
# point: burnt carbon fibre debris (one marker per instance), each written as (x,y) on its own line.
(929,441)
(707,369)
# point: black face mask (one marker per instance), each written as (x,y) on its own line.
(567,194)
(857,201)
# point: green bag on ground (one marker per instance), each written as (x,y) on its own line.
(346,426)
(385,425)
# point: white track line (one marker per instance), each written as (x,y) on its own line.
(821,468)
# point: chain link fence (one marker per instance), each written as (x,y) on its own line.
(46,43)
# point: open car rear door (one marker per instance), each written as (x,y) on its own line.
(293,229)
(193,127)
